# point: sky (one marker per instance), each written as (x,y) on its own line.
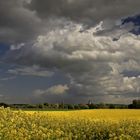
(69,50)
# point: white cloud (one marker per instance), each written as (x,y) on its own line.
(16,47)
(54,90)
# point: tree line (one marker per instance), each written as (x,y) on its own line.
(135,105)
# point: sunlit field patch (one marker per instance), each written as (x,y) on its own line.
(70,125)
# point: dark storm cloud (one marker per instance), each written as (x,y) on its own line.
(85,10)
(23,20)
(16,22)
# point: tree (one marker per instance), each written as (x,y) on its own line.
(40,106)
(4,105)
(136,104)
(70,106)
(83,106)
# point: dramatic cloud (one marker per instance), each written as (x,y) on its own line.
(85,10)
(23,20)
(83,39)
(16,22)
(93,63)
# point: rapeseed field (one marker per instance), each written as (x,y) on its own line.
(70,125)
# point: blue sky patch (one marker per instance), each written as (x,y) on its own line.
(3,48)
(136,21)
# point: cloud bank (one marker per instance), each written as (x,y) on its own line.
(23,20)
(95,64)
(84,39)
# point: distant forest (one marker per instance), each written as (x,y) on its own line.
(135,105)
